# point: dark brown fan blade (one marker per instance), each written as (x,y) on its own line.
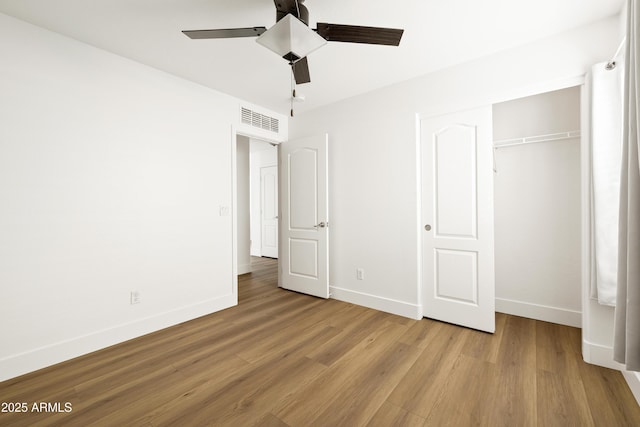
(285,6)
(358,34)
(301,71)
(225,33)
(294,7)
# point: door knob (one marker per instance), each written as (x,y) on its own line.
(427,227)
(321,225)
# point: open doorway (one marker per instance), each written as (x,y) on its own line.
(257,201)
(537,189)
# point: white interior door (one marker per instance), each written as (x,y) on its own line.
(457,218)
(304,216)
(269,211)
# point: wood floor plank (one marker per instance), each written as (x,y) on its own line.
(391,415)
(243,400)
(140,412)
(471,378)
(306,405)
(558,348)
(352,331)
(186,392)
(418,391)
(270,420)
(285,359)
(484,346)
(281,372)
(562,397)
(608,396)
(514,396)
(420,333)
(356,403)
(281,336)
(562,401)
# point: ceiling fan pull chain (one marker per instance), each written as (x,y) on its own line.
(293,86)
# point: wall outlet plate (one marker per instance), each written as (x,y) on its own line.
(135,297)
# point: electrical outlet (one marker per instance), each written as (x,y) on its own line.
(135,297)
(360,273)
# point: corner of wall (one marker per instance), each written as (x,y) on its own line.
(20,364)
(399,308)
(633,380)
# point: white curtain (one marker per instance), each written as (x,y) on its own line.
(606,155)
(626,346)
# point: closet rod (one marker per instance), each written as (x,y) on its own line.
(504,143)
(535,139)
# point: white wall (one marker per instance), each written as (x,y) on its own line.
(112,179)
(243,211)
(373,172)
(262,154)
(538,209)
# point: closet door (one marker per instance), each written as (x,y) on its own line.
(457,216)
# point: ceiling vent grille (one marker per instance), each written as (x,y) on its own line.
(258,120)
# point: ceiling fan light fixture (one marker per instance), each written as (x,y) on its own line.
(291,39)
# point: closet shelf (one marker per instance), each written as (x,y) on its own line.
(535,139)
(504,143)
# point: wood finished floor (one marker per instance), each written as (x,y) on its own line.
(284,359)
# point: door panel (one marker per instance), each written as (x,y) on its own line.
(456,276)
(455,185)
(303,258)
(303,188)
(269,210)
(457,213)
(304,216)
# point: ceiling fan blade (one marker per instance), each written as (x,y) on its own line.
(293,7)
(301,71)
(359,34)
(286,6)
(225,33)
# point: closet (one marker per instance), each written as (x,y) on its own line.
(537,213)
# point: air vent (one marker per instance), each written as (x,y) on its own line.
(258,120)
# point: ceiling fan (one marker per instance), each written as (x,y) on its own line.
(292,38)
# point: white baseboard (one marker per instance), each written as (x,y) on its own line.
(19,364)
(387,305)
(244,269)
(545,313)
(633,380)
(600,355)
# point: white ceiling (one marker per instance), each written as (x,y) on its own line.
(438,34)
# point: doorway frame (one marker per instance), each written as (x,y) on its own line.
(234,200)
